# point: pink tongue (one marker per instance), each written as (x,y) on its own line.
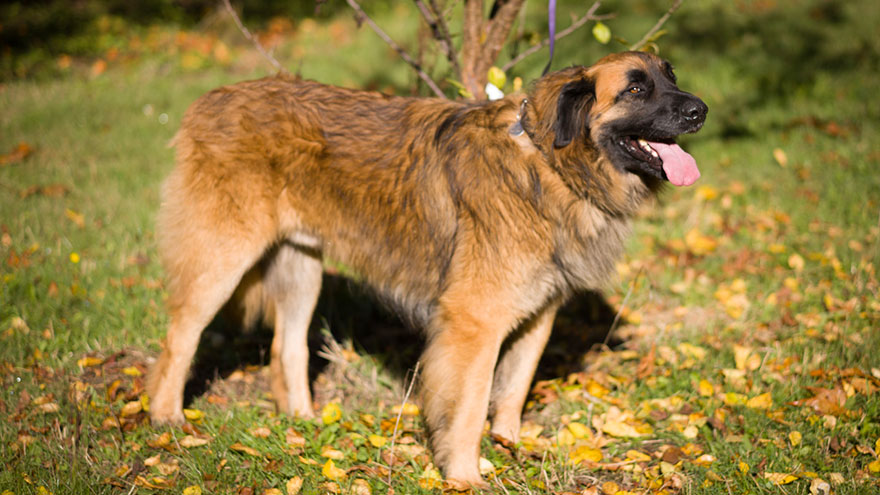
(680,167)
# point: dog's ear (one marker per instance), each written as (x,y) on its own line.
(572,110)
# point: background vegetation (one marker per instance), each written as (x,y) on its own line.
(743,362)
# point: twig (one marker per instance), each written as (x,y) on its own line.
(397,421)
(622,305)
(589,16)
(657,26)
(441,33)
(247,34)
(400,51)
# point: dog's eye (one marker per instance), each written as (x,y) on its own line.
(635,90)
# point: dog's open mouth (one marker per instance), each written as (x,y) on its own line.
(679,167)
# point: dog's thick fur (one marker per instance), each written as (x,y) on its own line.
(475,232)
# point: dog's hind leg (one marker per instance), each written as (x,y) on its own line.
(199,291)
(514,373)
(293,282)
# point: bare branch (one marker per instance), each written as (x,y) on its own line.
(400,51)
(247,34)
(472,30)
(589,16)
(438,28)
(499,29)
(639,44)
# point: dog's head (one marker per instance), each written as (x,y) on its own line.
(625,110)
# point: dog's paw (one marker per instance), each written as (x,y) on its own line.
(175,418)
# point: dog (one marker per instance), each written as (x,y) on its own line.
(476,220)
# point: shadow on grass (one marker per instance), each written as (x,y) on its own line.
(350,312)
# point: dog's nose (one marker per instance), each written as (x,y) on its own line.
(694,110)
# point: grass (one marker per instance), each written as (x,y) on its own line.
(759,280)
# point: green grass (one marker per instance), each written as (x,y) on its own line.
(762,279)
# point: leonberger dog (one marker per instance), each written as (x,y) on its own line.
(476,220)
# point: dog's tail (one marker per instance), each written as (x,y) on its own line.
(250,304)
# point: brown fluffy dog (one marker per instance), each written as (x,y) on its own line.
(475,219)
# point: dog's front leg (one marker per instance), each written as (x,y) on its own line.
(457,379)
(515,372)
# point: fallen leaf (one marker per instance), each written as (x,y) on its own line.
(620,429)
(408,409)
(331,471)
(19,153)
(795,438)
(780,478)
(824,401)
(294,485)
(762,401)
(377,441)
(191,441)
(131,408)
(193,414)
(88,362)
(192,490)
(76,218)
(360,487)
(585,453)
(330,453)
(260,432)
(819,486)
(331,413)
(238,447)
(294,438)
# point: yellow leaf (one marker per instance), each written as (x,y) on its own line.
(331,471)
(294,485)
(578,430)
(331,413)
(780,157)
(192,490)
(238,447)
(620,429)
(743,467)
(795,438)
(763,401)
(42,490)
(740,355)
(408,409)
(610,487)
(796,262)
(76,218)
(734,399)
(74,258)
(698,243)
(706,193)
(874,466)
(693,351)
(87,362)
(377,441)
(431,479)
(705,388)
(635,455)
(776,248)
(330,453)
(584,453)
(705,460)
(131,408)
(193,414)
(131,371)
(497,77)
(780,478)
